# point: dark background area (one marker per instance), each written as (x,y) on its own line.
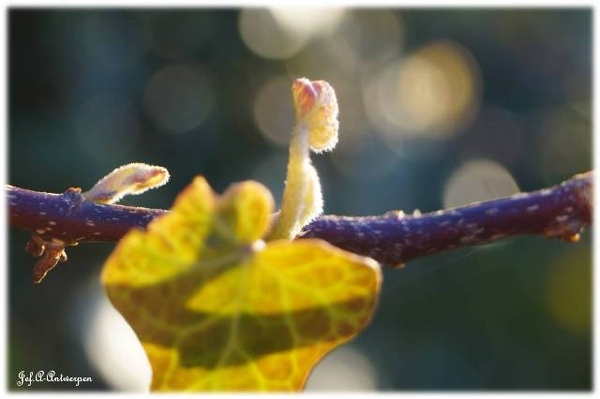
(432,102)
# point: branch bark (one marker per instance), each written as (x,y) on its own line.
(562,211)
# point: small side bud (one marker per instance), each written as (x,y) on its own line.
(134,178)
(316,105)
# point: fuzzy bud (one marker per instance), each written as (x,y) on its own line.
(134,178)
(316,106)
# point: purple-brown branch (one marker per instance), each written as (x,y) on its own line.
(563,211)
(394,238)
(71,218)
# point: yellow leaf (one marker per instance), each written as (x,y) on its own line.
(217,309)
(244,212)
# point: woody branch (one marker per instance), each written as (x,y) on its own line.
(562,211)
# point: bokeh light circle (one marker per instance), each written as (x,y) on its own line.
(178,98)
(478,180)
(267,38)
(432,93)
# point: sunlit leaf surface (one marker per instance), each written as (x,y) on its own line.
(218,309)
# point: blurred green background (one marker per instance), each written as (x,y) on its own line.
(437,108)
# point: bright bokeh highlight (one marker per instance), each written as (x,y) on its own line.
(478,180)
(432,93)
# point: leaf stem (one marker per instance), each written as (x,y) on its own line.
(293,202)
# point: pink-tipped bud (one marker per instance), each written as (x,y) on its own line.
(316,105)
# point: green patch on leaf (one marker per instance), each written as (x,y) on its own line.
(218,309)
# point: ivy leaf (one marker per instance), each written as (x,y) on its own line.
(218,309)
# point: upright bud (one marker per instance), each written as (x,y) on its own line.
(316,106)
(316,129)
